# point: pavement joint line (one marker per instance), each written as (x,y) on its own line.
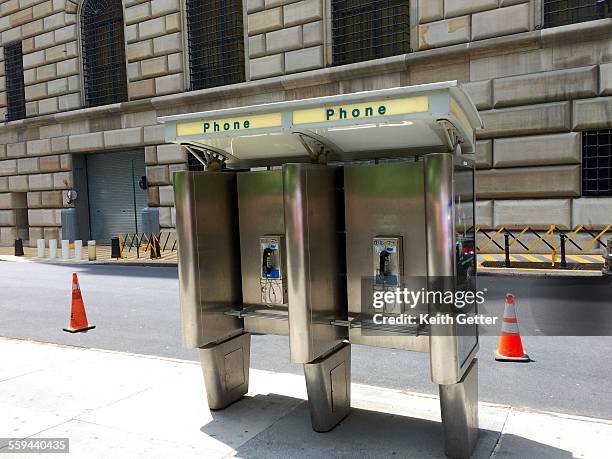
(76,417)
(498,440)
(521,409)
(42,431)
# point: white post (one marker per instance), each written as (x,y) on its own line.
(52,249)
(91,250)
(78,250)
(40,246)
(65,249)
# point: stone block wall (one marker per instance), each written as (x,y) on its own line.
(41,168)
(48,32)
(285,36)
(534,103)
(154,39)
(449,22)
(536,91)
(162,162)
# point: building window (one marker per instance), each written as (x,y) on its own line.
(216,42)
(369,29)
(103,52)
(563,12)
(597,163)
(13,69)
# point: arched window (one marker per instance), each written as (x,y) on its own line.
(216,42)
(103,52)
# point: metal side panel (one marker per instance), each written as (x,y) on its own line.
(260,204)
(384,200)
(459,407)
(314,252)
(328,383)
(209,258)
(225,367)
(448,361)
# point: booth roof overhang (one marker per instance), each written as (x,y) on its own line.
(384,123)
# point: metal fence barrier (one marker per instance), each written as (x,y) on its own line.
(533,241)
(153,245)
(579,245)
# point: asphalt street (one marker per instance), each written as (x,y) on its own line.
(136,309)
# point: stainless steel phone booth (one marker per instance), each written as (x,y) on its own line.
(306,211)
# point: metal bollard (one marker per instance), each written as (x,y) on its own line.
(40,248)
(19,248)
(116,248)
(65,249)
(563,238)
(52,249)
(507,248)
(91,250)
(78,250)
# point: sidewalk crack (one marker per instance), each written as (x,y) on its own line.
(497,445)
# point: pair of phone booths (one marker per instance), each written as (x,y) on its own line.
(305,210)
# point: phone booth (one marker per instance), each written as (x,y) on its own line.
(310,209)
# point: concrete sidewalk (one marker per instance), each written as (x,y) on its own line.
(123,405)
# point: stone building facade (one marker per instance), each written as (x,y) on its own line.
(538,88)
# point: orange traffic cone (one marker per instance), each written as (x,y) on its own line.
(510,347)
(78,318)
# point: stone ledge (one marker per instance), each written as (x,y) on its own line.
(576,32)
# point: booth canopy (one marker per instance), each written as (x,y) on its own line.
(383,123)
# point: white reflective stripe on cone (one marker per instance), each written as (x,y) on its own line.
(509,312)
(510,327)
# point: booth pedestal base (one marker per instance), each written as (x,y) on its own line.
(459,405)
(226,370)
(328,382)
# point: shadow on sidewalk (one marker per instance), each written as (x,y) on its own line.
(363,434)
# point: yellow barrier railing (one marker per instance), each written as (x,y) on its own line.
(158,244)
(544,242)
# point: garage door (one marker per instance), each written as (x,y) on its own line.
(115,199)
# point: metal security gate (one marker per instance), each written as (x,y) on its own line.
(115,197)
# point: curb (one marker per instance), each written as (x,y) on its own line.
(72,262)
(538,273)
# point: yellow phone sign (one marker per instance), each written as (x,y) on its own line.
(361,111)
(322,114)
(216,126)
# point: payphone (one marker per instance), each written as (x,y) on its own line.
(316,215)
(388,263)
(273,282)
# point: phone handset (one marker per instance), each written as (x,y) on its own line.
(266,262)
(383,266)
